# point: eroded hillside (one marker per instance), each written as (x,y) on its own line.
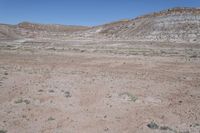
(172,25)
(175,25)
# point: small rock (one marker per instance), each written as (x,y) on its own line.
(51,119)
(153,125)
(67,94)
(27,101)
(106,129)
(40,90)
(165,128)
(180,101)
(5,73)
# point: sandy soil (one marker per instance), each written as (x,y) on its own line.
(68,92)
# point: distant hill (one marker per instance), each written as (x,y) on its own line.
(172,25)
(50,27)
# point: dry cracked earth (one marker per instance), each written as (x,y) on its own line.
(91,89)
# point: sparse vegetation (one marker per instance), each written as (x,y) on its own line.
(194,56)
(53,48)
(19,101)
(195,125)
(40,90)
(51,119)
(108,76)
(22,101)
(128,96)
(51,91)
(5,73)
(10,46)
(165,128)
(153,125)
(26,101)
(67,94)
(3,131)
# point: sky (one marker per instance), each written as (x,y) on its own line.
(82,12)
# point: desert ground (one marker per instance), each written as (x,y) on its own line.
(99,86)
